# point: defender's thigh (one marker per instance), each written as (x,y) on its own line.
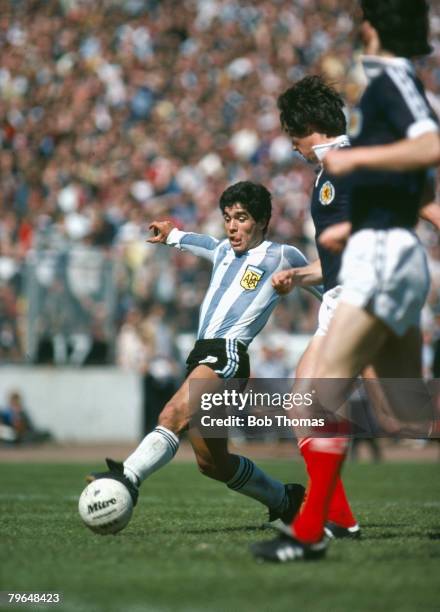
(353,340)
(307,364)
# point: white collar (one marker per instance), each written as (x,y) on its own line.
(260,248)
(374,65)
(321,150)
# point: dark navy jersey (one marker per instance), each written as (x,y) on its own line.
(330,205)
(393,107)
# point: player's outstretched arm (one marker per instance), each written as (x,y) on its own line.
(306,276)
(164,232)
(161,231)
(404,155)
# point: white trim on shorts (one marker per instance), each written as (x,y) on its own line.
(233,360)
(327,309)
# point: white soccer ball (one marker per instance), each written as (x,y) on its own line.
(105,506)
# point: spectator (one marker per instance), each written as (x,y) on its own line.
(16,425)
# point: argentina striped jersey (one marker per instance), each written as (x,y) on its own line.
(240,297)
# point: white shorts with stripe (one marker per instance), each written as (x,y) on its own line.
(385,272)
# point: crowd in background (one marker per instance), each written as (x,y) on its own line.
(114,113)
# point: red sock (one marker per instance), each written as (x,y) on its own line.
(340,511)
(324,458)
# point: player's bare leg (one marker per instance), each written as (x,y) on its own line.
(368,340)
(355,338)
(350,331)
(177,412)
(240,474)
(401,356)
(160,446)
(213,458)
(384,415)
(408,401)
(306,366)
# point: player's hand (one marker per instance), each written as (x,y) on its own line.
(340,162)
(161,230)
(335,237)
(283,282)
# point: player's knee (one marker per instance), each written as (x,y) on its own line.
(174,418)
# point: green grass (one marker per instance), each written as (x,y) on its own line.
(186,548)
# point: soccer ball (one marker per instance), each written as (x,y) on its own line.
(105,506)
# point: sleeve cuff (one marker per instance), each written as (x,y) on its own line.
(423,126)
(174,237)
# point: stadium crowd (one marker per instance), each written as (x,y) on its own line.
(114,113)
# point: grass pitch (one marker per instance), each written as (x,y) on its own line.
(186,548)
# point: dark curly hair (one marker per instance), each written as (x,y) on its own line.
(255,198)
(402,25)
(311,105)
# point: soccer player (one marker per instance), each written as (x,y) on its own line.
(237,305)
(311,112)
(384,272)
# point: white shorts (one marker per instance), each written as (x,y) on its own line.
(385,272)
(330,300)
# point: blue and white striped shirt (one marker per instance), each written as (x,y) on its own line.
(240,297)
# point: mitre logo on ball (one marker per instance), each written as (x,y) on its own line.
(101,505)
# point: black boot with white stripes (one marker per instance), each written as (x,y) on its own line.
(284,549)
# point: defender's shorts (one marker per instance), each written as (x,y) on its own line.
(327,309)
(386,273)
(228,358)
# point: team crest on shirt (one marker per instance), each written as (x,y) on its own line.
(354,123)
(327,193)
(251,277)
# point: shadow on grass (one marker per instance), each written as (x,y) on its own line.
(429,535)
(384,525)
(247,528)
(395,536)
(201,531)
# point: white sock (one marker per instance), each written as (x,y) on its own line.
(155,451)
(253,482)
